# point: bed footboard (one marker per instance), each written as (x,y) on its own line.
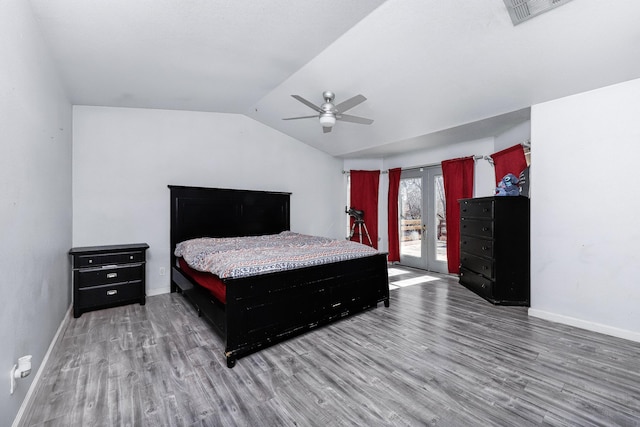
(266,309)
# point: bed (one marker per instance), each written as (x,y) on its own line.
(257,311)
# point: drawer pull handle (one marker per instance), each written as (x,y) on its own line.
(131,257)
(484,248)
(112,275)
(485,228)
(112,292)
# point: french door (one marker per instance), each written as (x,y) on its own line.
(421,219)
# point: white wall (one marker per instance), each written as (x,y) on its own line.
(585,261)
(35,201)
(123,160)
(516,135)
(483,173)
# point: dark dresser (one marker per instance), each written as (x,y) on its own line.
(494,248)
(107,276)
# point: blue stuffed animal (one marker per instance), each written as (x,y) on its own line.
(508,186)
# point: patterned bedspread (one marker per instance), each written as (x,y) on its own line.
(235,257)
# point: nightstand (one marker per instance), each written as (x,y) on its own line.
(107,276)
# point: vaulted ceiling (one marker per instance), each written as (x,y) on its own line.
(434,72)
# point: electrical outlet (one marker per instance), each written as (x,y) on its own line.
(13,378)
(162,271)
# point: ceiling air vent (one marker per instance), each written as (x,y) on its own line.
(521,10)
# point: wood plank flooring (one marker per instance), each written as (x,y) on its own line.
(439,355)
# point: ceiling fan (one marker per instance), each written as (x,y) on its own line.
(328,113)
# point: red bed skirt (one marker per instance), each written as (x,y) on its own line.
(207,280)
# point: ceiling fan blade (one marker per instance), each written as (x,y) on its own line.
(303,117)
(308,103)
(353,119)
(350,103)
(326,130)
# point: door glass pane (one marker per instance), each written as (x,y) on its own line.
(441,219)
(410,199)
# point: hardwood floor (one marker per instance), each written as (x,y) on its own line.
(439,355)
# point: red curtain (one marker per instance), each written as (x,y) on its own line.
(364,197)
(392,214)
(457,175)
(509,160)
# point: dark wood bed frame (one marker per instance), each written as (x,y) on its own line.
(265,309)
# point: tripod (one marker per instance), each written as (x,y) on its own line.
(360,223)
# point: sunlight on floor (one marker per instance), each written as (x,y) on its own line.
(406,282)
(396,271)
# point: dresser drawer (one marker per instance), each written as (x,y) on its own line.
(476,209)
(476,246)
(109,294)
(476,227)
(106,275)
(477,264)
(476,283)
(94,260)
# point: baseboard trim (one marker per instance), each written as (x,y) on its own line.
(45,360)
(584,324)
(157,291)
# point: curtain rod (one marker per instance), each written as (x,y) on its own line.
(477,157)
(487,158)
(424,166)
(348,172)
(525,144)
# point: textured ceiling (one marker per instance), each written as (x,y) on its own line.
(434,72)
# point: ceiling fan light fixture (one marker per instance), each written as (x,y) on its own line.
(327,120)
(329,113)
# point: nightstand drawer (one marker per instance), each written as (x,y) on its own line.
(476,209)
(475,246)
(477,264)
(94,260)
(109,294)
(87,277)
(476,227)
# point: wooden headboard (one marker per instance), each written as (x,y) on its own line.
(221,212)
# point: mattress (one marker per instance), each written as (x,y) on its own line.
(237,257)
